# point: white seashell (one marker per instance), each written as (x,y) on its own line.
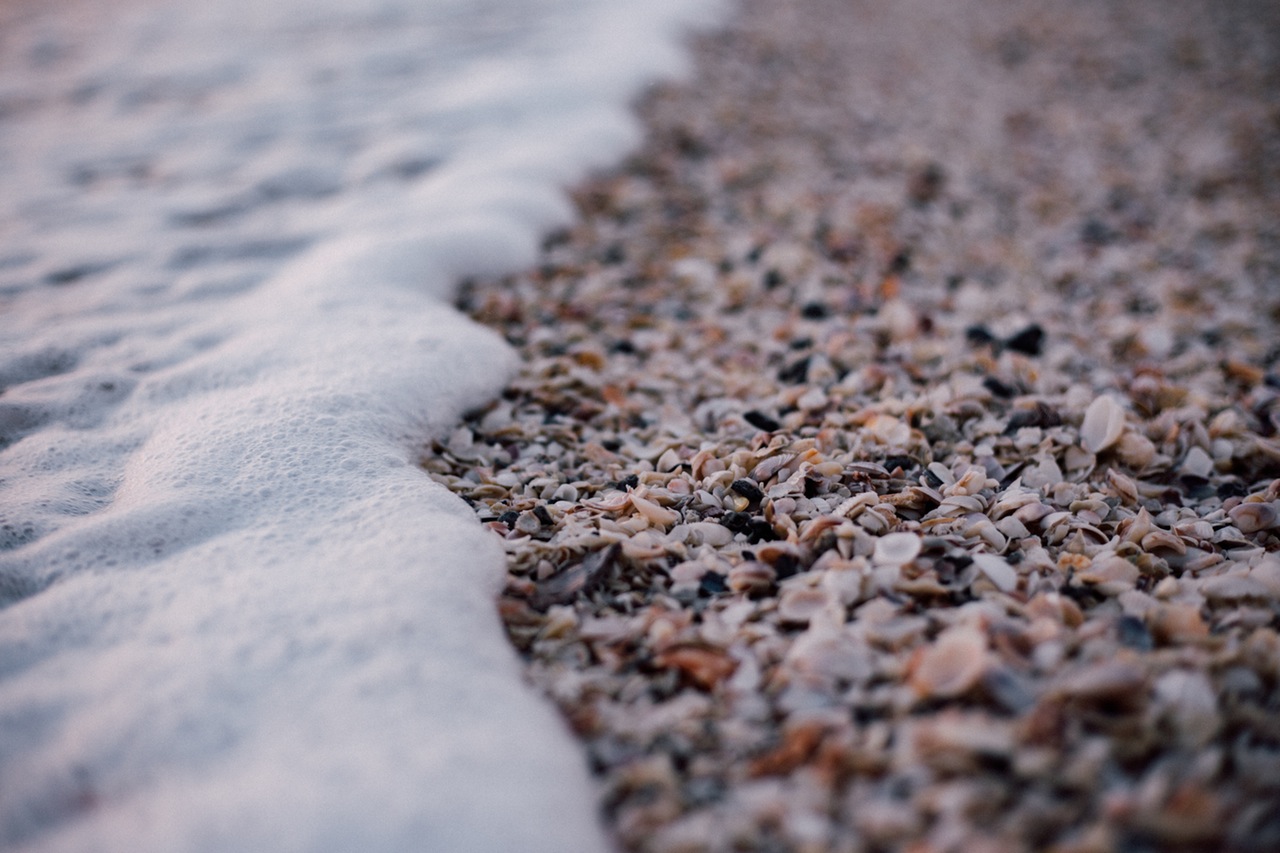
(1267,573)
(958,505)
(1123,486)
(1033,512)
(566,492)
(896,549)
(971,482)
(1045,474)
(812,400)
(1159,539)
(873,522)
(708,533)
(997,570)
(668,461)
(1253,516)
(1012,528)
(656,515)
(1197,463)
(988,533)
(942,472)
(1103,424)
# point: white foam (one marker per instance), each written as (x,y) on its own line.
(238,616)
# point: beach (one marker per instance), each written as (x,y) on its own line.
(893,460)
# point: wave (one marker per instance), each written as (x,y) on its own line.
(236,615)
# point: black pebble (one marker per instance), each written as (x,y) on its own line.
(762,531)
(906,463)
(795,373)
(786,565)
(738,522)
(979,336)
(998,388)
(1029,341)
(1231,489)
(760,420)
(1041,416)
(509,518)
(631,481)
(814,311)
(1133,633)
(748,490)
(901,262)
(1095,232)
(543,516)
(712,583)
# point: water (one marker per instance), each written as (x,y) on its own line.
(235,615)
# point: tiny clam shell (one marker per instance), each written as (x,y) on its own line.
(896,549)
(951,666)
(1103,424)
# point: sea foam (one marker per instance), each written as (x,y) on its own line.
(236,616)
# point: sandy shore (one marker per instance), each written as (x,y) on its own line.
(895,461)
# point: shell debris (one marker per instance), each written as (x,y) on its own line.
(878,480)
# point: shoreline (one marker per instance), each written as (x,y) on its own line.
(894,461)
